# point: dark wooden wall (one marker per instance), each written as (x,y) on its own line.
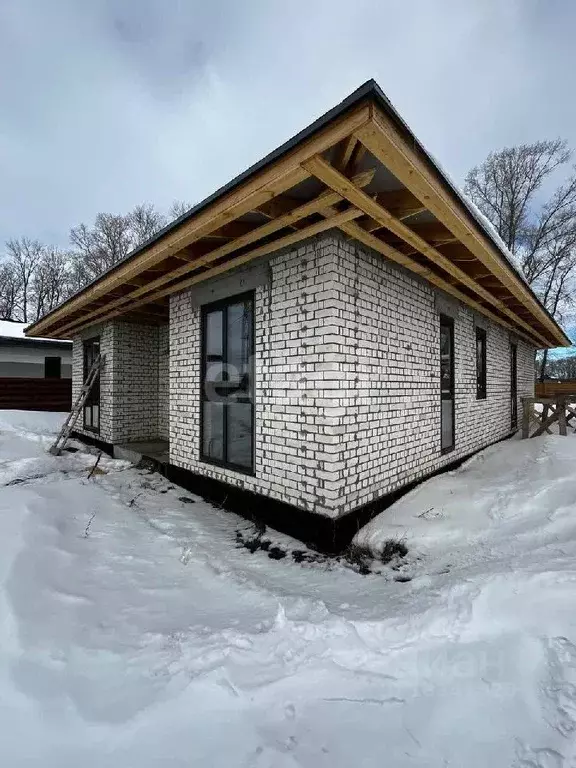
(28,394)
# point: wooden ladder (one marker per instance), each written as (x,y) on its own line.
(72,418)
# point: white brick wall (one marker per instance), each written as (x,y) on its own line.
(292,342)
(106,333)
(347,403)
(391,430)
(164,382)
(347,380)
(130,381)
(135,382)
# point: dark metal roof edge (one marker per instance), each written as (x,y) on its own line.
(369,89)
(12,341)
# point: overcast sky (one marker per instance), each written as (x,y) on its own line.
(108,103)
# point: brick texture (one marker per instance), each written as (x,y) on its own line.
(130,382)
(347,380)
(164,382)
(347,404)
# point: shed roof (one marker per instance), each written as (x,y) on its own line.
(12,330)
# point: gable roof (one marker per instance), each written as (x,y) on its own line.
(358,168)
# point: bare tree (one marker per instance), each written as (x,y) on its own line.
(562,368)
(25,255)
(103,245)
(178,208)
(508,188)
(51,282)
(35,278)
(505,184)
(9,290)
(145,221)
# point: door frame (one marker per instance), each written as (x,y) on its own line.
(448,322)
(94,396)
(513,386)
(222,305)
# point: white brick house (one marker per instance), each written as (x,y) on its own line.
(381,335)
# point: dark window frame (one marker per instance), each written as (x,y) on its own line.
(447,321)
(481,370)
(206,309)
(48,363)
(513,386)
(85,344)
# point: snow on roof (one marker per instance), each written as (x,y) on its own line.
(12,330)
(487,226)
(482,219)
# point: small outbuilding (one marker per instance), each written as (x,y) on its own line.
(35,373)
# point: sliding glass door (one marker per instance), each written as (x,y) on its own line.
(447,383)
(227,409)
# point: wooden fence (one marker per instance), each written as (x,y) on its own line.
(28,394)
(554,388)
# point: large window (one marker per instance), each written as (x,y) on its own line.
(227,383)
(52,367)
(92,404)
(480,364)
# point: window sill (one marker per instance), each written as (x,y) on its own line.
(231,467)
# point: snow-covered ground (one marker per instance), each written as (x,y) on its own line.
(135,632)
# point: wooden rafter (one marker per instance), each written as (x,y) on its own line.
(400,203)
(296,214)
(451,252)
(314,229)
(382,139)
(344,152)
(323,171)
(354,231)
(271,181)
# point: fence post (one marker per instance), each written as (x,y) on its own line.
(561,404)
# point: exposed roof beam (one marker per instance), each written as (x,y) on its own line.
(310,231)
(344,152)
(296,214)
(275,208)
(383,140)
(271,181)
(401,203)
(354,231)
(323,171)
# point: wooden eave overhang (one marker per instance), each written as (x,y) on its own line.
(358,169)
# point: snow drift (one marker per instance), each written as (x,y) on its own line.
(135,633)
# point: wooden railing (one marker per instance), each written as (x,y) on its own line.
(28,394)
(539,414)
